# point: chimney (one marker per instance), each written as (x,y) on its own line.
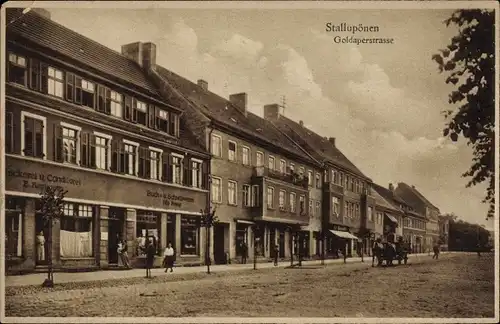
(134,52)
(203,84)
(301,123)
(272,111)
(149,55)
(239,100)
(42,12)
(391,187)
(332,140)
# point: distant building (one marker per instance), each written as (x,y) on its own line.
(391,213)
(444,231)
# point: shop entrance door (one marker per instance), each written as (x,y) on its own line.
(115,233)
(219,239)
(272,241)
(42,251)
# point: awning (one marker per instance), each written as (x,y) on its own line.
(345,235)
(242,221)
(392,218)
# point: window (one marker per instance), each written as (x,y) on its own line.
(281,199)
(302,204)
(318,181)
(357,211)
(177,169)
(99,152)
(270,197)
(231,192)
(318,208)
(116,108)
(241,236)
(302,170)
(216,190)
(148,225)
(33,135)
(271,164)
(310,179)
(335,206)
(162,121)
(76,231)
(130,158)
(84,92)
(153,166)
(17,69)
(231,152)
(341,179)
(293,202)
(255,199)
(13,233)
(189,236)
(259,159)
(246,196)
(55,82)
(140,112)
(216,145)
(196,173)
(370,214)
(292,167)
(245,155)
(282,166)
(311,207)
(335,177)
(173,128)
(67,143)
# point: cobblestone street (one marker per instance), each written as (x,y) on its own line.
(456,285)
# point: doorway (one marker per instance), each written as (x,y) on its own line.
(115,233)
(219,239)
(281,242)
(41,225)
(272,240)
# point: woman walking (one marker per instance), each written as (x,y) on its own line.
(150,257)
(124,254)
(168,261)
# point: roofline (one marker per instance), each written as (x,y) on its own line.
(101,77)
(420,196)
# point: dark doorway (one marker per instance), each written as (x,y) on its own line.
(272,240)
(41,225)
(171,231)
(115,233)
(219,239)
(281,242)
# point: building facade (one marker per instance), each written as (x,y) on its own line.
(346,191)
(390,213)
(423,207)
(444,231)
(100,130)
(261,181)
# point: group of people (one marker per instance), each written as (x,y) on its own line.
(244,253)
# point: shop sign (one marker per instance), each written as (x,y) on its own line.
(340,228)
(38,180)
(169,200)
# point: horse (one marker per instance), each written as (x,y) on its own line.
(377,252)
(383,251)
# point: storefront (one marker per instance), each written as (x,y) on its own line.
(100,210)
(344,243)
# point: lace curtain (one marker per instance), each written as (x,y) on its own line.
(76,244)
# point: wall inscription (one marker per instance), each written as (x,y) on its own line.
(38,180)
(169,199)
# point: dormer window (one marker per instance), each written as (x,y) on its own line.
(162,121)
(17,71)
(55,82)
(116,104)
(174,125)
(140,111)
(84,92)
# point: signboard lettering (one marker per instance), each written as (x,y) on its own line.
(169,199)
(38,180)
(340,228)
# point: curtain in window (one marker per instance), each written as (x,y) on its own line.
(76,244)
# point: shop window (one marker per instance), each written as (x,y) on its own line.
(17,69)
(147,228)
(189,236)
(13,234)
(259,241)
(33,135)
(76,231)
(241,237)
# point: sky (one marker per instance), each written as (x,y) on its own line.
(382,102)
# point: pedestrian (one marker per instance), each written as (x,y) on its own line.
(168,261)
(276,254)
(436,251)
(119,247)
(40,241)
(244,252)
(124,255)
(150,257)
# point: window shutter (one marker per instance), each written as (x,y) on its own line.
(44,77)
(58,144)
(204,174)
(70,86)
(134,110)
(9,132)
(34,74)
(115,156)
(166,169)
(101,98)
(128,108)
(187,176)
(107,101)
(142,162)
(78,90)
(84,158)
(92,149)
(122,157)
(152,116)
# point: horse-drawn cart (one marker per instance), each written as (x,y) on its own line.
(389,252)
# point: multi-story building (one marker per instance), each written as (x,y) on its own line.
(346,196)
(444,231)
(83,117)
(387,215)
(260,180)
(425,208)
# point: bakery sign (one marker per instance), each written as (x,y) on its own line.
(38,180)
(168,199)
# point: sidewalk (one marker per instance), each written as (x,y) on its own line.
(64,277)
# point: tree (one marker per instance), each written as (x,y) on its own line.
(52,208)
(469,61)
(208,220)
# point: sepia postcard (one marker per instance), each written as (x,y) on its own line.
(249,162)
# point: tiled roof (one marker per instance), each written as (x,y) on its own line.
(319,147)
(416,194)
(388,195)
(61,40)
(381,201)
(222,111)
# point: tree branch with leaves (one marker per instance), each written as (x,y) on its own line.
(469,62)
(208,220)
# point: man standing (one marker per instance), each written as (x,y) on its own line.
(436,251)
(276,254)
(244,252)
